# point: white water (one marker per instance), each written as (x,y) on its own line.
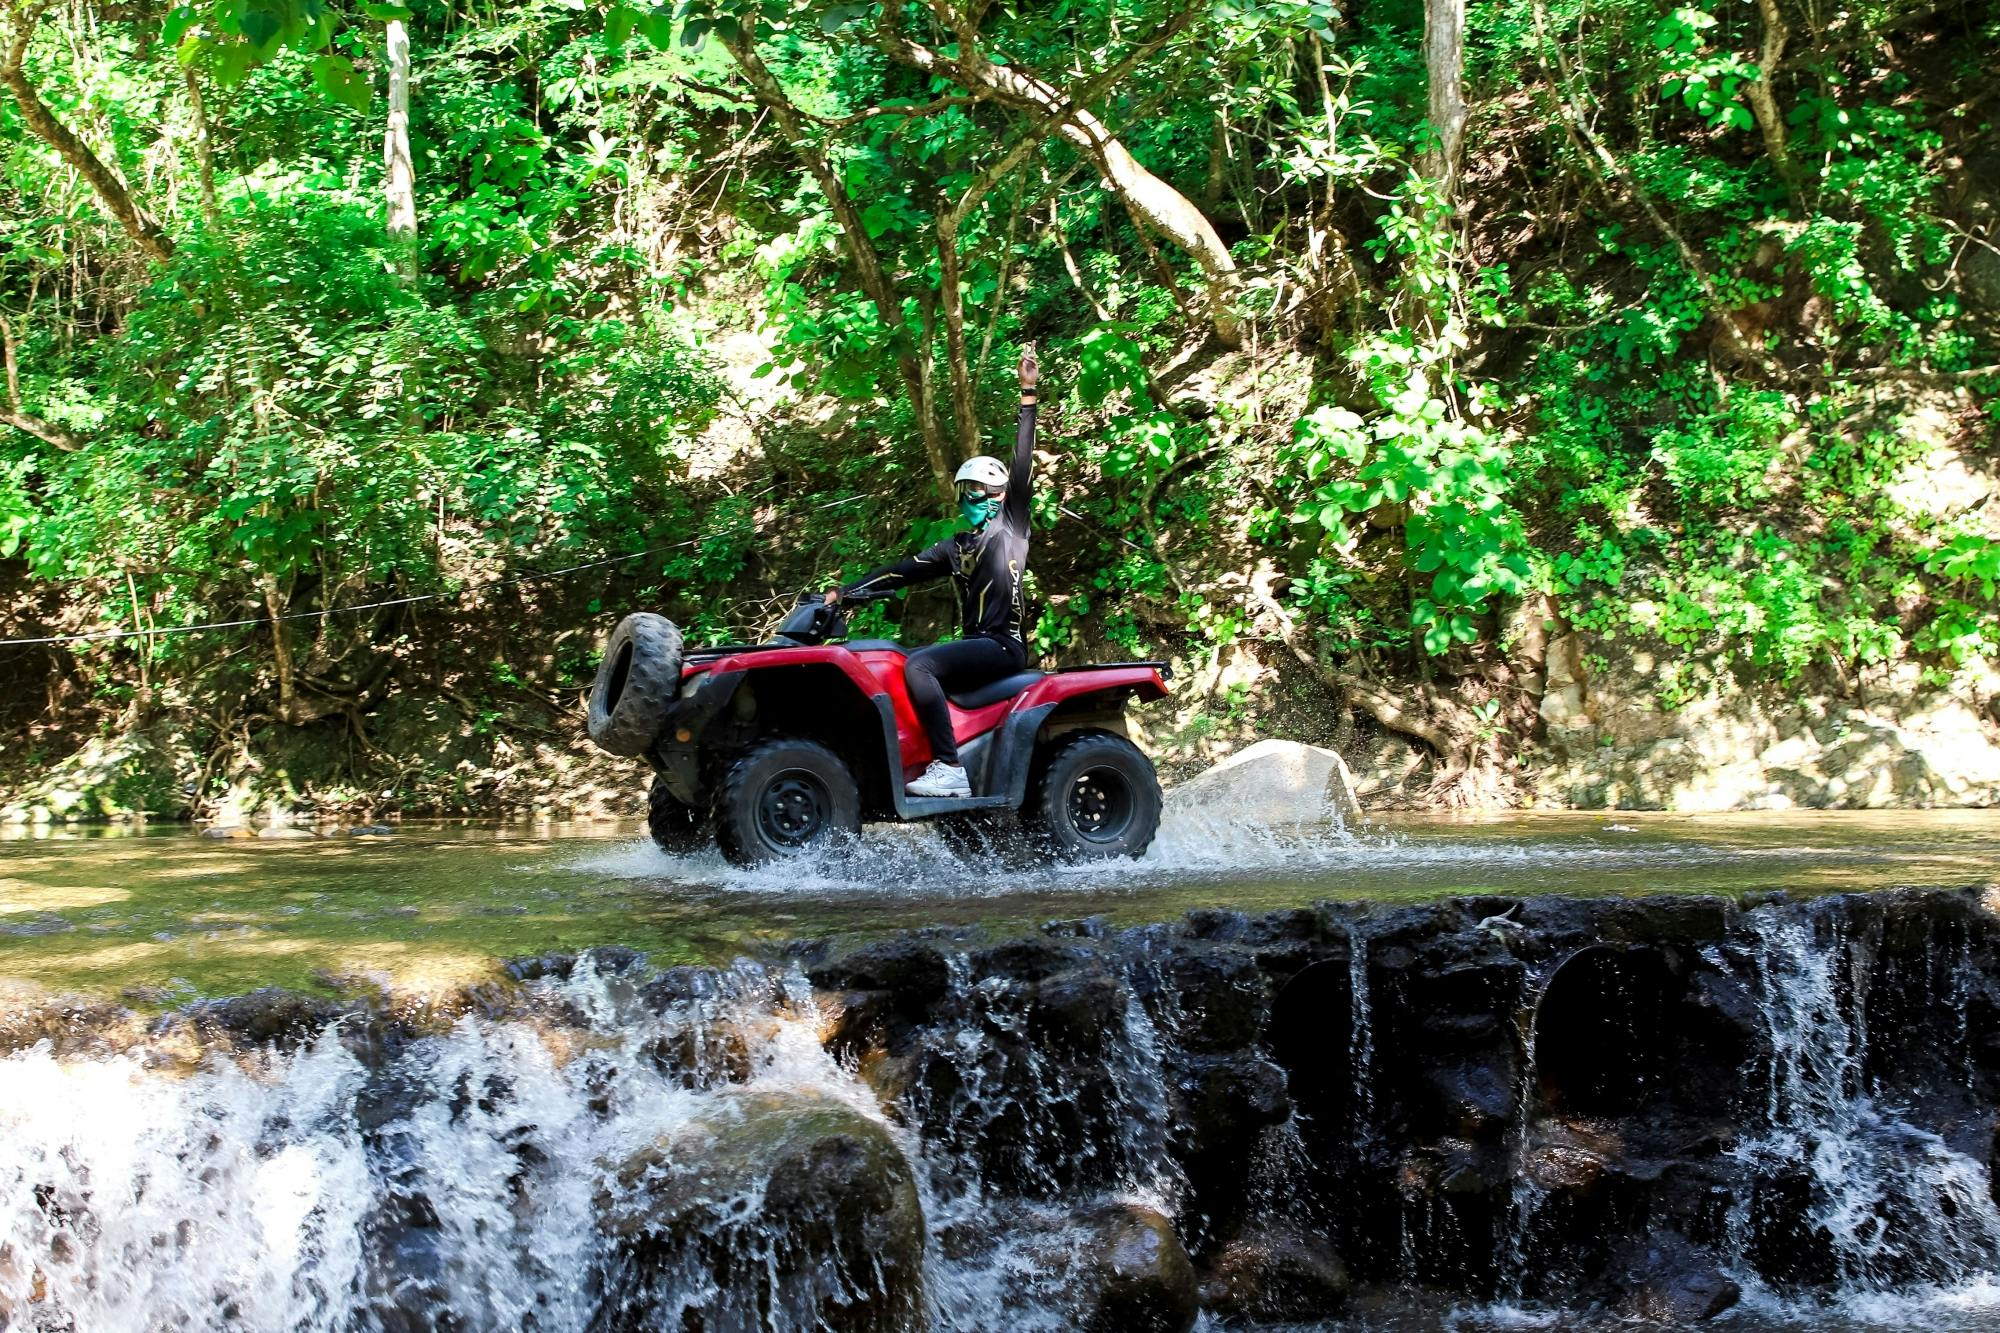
(1192,846)
(260,1195)
(247,1196)
(1911,1223)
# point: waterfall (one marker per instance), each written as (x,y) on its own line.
(1361,1036)
(953,1136)
(459,1185)
(1839,1171)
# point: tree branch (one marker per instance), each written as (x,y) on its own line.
(18,417)
(1163,207)
(144,232)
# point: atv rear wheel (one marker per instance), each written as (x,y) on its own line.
(636,684)
(782,798)
(1097,797)
(676,826)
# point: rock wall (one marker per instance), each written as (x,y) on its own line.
(1611,1104)
(1627,1108)
(1610,743)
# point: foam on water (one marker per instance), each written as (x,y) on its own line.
(1192,846)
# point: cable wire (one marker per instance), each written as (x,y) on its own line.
(532,576)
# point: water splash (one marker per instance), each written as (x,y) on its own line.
(1906,1222)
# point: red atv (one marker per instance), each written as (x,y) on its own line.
(772,747)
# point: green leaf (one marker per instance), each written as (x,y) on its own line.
(657,27)
(618,25)
(382,13)
(261,27)
(177,24)
(338,79)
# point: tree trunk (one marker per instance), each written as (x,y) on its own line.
(964,412)
(1764,100)
(18,416)
(1444,64)
(860,250)
(204,153)
(281,650)
(399,177)
(42,122)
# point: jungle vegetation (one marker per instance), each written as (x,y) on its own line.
(1401,334)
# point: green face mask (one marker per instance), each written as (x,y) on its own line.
(980,512)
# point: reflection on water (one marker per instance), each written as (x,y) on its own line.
(164,910)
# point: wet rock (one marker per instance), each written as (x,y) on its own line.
(1079,1010)
(556,966)
(1283,781)
(702,1055)
(1137,1277)
(220,831)
(1026,959)
(1674,1282)
(285,833)
(1216,923)
(370,831)
(1474,1101)
(409,1280)
(612,959)
(911,971)
(1275,1274)
(1223,999)
(778,1208)
(269,1016)
(1228,1098)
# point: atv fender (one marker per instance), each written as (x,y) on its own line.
(679,761)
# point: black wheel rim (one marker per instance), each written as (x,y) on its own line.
(794,809)
(1101,805)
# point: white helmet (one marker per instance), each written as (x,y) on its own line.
(988,472)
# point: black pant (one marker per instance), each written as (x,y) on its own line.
(964,665)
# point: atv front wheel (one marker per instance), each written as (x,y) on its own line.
(781,798)
(1097,798)
(676,826)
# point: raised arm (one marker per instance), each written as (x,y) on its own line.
(1020,476)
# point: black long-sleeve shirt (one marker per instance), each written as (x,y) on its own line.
(986,565)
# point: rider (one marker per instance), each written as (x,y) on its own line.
(986,562)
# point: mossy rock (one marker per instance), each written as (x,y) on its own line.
(784,1207)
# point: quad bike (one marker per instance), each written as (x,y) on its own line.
(771,748)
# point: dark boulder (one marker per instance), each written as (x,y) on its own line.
(1276,1273)
(1136,1277)
(1672,1281)
(912,971)
(267,1017)
(780,1208)
(1222,998)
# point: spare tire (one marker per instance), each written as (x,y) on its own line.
(636,684)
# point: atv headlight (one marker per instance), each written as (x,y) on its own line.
(692,683)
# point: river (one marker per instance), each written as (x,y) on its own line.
(1451,1101)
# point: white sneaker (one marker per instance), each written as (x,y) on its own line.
(942,779)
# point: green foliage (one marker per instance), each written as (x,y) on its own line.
(1438,409)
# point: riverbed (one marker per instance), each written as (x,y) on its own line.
(156,915)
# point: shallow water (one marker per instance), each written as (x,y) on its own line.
(166,914)
(253,1192)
